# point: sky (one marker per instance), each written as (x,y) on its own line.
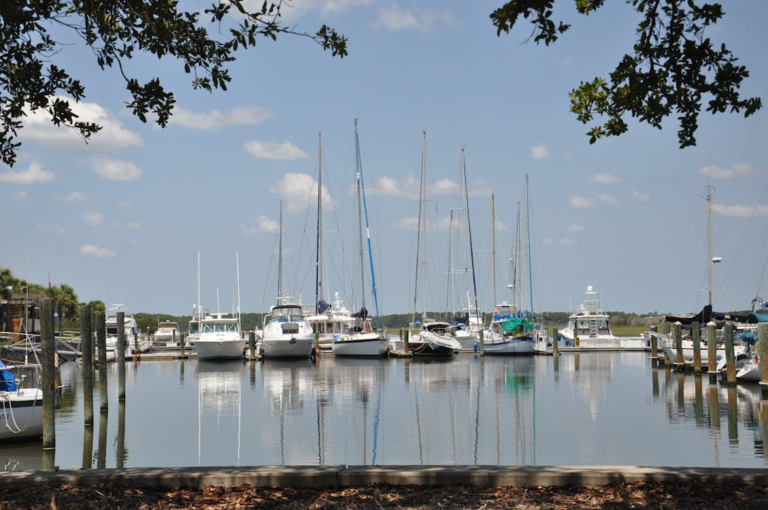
(123,218)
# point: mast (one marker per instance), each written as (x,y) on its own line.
(709,191)
(280,259)
(360,215)
(469,230)
(237,263)
(199,306)
(367,233)
(423,223)
(318,269)
(528,231)
(418,230)
(450,294)
(515,249)
(493,245)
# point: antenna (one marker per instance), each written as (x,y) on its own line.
(218,306)
(237,263)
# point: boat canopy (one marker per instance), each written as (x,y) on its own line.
(703,317)
(168,325)
(756,318)
(511,325)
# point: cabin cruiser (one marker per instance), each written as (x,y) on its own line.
(220,338)
(329,321)
(508,333)
(287,334)
(131,328)
(434,339)
(589,327)
(167,334)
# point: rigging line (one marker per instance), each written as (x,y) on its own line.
(368,234)
(738,172)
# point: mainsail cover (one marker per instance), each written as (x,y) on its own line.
(510,325)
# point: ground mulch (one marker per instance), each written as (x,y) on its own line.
(640,495)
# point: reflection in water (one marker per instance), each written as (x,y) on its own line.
(87,447)
(604,408)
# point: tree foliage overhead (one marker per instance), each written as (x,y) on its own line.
(674,67)
(115,31)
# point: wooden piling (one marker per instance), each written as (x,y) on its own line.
(482,342)
(47,351)
(87,447)
(252,344)
(714,409)
(101,453)
(555,347)
(101,341)
(696,332)
(120,447)
(679,345)
(665,328)
(712,352)
(406,342)
(733,416)
(120,355)
(762,352)
(654,346)
(317,344)
(85,347)
(730,357)
(181,344)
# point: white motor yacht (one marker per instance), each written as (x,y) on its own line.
(167,334)
(589,327)
(287,334)
(220,338)
(131,328)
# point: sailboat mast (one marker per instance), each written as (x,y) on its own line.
(360,217)
(423,224)
(318,269)
(199,306)
(493,244)
(469,230)
(237,263)
(280,259)
(368,236)
(709,191)
(528,230)
(418,229)
(515,250)
(450,294)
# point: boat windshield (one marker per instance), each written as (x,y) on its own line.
(112,331)
(288,314)
(582,326)
(602,327)
(219,327)
(194,327)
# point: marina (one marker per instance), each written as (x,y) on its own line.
(469,411)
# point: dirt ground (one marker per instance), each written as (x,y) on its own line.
(640,495)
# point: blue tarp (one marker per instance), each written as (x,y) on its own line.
(7,381)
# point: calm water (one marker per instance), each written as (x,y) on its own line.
(597,408)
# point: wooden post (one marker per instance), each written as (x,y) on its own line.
(252,344)
(730,357)
(696,332)
(87,446)
(173,337)
(101,341)
(762,352)
(482,342)
(47,348)
(733,416)
(654,346)
(101,453)
(712,352)
(714,409)
(665,328)
(85,347)
(679,345)
(406,343)
(555,347)
(317,344)
(120,449)
(655,385)
(181,344)
(120,355)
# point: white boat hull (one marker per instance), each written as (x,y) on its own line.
(468,340)
(291,347)
(361,345)
(21,415)
(220,349)
(749,372)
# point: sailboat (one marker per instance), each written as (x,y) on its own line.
(362,339)
(469,325)
(433,338)
(220,336)
(328,320)
(288,333)
(511,331)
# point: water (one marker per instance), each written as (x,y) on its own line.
(597,409)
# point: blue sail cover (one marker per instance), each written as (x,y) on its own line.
(7,381)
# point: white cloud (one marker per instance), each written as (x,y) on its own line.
(33,174)
(412,223)
(91,250)
(409,187)
(397,19)
(115,169)
(717,172)
(540,151)
(604,178)
(73,198)
(445,187)
(608,199)
(640,196)
(568,62)
(128,224)
(59,230)
(740,211)
(19,196)
(93,218)
(297,190)
(573,227)
(479,188)
(581,202)
(270,150)
(112,135)
(125,204)
(263,225)
(549,241)
(567,241)
(213,120)
(567,157)
(298,8)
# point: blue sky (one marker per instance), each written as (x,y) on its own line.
(122,218)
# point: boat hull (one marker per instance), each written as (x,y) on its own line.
(425,349)
(362,345)
(220,349)
(293,347)
(517,347)
(22,410)
(468,341)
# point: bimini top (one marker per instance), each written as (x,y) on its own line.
(168,325)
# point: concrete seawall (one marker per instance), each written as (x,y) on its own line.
(340,476)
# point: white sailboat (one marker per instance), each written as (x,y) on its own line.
(198,312)
(362,339)
(220,336)
(21,409)
(288,333)
(433,338)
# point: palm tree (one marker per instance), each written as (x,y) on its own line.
(68,304)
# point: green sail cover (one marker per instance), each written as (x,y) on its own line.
(511,325)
